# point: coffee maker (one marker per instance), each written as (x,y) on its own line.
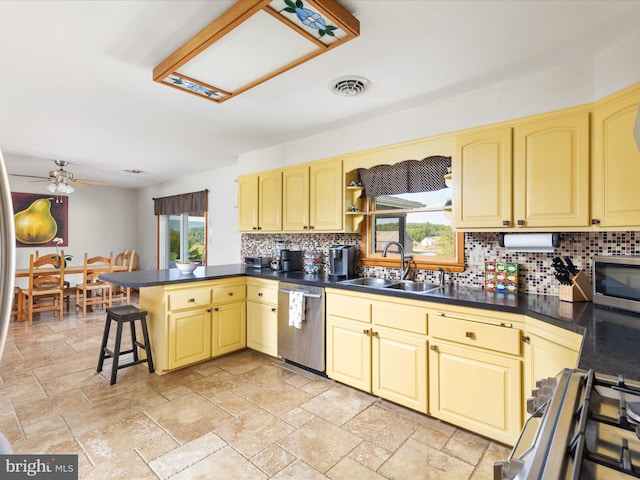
(341,261)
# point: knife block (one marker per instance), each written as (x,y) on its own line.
(579,291)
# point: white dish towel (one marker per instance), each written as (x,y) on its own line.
(296,309)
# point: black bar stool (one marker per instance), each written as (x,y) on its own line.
(122,314)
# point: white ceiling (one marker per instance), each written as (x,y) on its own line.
(76,76)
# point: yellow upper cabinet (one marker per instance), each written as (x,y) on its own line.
(551,171)
(326,205)
(482,179)
(295,199)
(248,203)
(534,173)
(616,161)
(312,197)
(260,202)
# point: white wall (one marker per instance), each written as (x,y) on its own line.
(574,84)
(101,220)
(224,239)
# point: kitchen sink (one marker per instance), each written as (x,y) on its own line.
(370,282)
(411,286)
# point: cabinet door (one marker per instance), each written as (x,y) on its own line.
(399,370)
(482,179)
(326,202)
(262,328)
(551,172)
(270,202)
(248,203)
(476,390)
(349,352)
(229,328)
(616,162)
(295,199)
(189,337)
(544,358)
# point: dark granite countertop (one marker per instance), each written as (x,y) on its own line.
(611,338)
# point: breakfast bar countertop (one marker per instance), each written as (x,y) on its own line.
(611,338)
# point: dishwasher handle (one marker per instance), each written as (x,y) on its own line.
(306,295)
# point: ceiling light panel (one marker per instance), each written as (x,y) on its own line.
(254,41)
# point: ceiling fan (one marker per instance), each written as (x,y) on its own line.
(63,181)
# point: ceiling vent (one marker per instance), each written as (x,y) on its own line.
(349,86)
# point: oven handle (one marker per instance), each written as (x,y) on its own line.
(306,295)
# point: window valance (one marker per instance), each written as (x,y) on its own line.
(409,176)
(178,204)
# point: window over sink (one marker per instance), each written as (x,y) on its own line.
(410,203)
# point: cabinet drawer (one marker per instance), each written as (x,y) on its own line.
(231,293)
(402,317)
(200,297)
(346,306)
(483,335)
(262,294)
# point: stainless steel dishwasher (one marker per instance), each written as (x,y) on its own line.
(303,346)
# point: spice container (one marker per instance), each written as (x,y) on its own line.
(313,261)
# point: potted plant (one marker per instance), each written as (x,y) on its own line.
(59,241)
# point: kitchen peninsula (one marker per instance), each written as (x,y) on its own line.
(610,337)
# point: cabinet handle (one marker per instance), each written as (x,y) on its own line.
(259,228)
(505,223)
(375,334)
(470,335)
(367,332)
(520,223)
(305,228)
(311,227)
(216,309)
(255,228)
(273,309)
(595,221)
(259,294)
(230,294)
(526,339)
(192,300)
(434,348)
(208,310)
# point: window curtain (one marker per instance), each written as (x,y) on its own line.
(178,204)
(409,176)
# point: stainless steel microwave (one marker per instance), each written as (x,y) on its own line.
(616,281)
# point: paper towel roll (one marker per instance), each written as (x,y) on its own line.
(529,242)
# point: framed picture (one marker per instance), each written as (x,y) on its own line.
(39,219)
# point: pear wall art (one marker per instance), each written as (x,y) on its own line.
(39,219)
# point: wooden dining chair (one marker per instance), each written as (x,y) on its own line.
(18,304)
(93,291)
(46,287)
(126,260)
(68,291)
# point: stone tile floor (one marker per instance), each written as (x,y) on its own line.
(242,416)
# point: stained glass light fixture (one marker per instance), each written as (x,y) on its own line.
(253,41)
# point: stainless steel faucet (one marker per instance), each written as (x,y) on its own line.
(442,272)
(404,270)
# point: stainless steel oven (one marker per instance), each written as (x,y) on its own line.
(586,426)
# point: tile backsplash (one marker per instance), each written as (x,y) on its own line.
(535,273)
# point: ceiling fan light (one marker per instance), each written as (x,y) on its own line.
(52,187)
(69,189)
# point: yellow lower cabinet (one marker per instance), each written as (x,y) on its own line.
(189,337)
(400,368)
(476,390)
(349,352)
(229,328)
(262,328)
